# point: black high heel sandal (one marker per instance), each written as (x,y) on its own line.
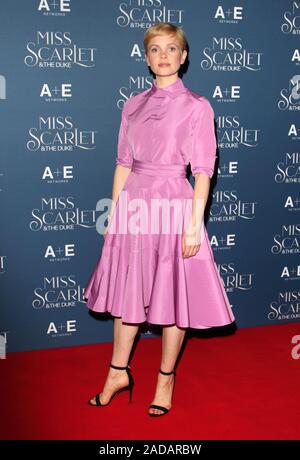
(162,408)
(128,387)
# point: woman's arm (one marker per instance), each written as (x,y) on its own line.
(123,162)
(203,157)
(191,238)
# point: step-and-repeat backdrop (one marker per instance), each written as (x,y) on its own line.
(66,69)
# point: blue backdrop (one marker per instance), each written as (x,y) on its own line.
(66,69)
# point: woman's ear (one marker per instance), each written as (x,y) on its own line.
(184,55)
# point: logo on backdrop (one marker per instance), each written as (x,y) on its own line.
(229,54)
(54,7)
(286,307)
(52,50)
(228,169)
(287,241)
(58,175)
(291,273)
(229,16)
(59,134)
(2,264)
(291,19)
(227,207)
(59,93)
(61,253)
(223,242)
(144,13)
(233,280)
(138,53)
(232,134)
(292,203)
(296,56)
(289,169)
(61,213)
(62,329)
(133,86)
(227,94)
(61,291)
(294,133)
(290,96)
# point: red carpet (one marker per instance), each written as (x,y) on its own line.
(239,386)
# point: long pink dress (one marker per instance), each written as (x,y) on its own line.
(142,275)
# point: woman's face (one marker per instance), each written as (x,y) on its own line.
(164,55)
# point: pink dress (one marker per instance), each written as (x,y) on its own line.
(142,275)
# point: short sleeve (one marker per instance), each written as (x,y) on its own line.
(204,145)
(124,155)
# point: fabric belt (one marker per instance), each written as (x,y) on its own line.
(157,169)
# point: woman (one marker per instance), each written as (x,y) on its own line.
(163,277)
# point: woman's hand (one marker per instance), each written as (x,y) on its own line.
(190,243)
(191,239)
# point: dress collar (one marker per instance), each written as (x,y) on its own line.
(170,90)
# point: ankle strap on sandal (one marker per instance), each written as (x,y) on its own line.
(166,373)
(118,367)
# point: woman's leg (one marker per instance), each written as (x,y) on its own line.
(124,336)
(171,344)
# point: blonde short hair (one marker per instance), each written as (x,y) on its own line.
(165,28)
